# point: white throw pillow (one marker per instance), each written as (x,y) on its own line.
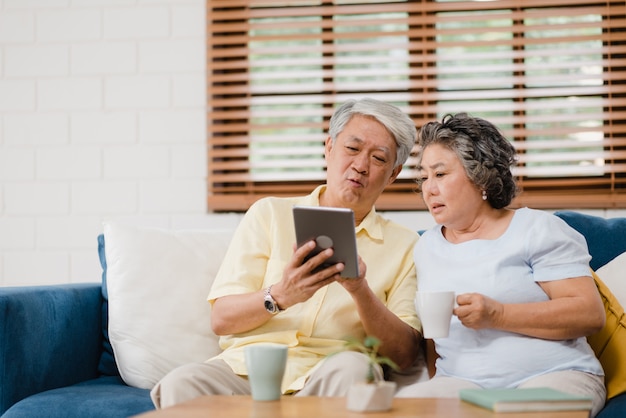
(613,274)
(158,281)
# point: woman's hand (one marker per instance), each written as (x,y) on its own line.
(478,311)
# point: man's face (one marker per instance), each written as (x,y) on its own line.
(360,164)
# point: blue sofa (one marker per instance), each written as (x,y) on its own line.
(56,360)
(55,357)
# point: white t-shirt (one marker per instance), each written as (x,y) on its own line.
(536,247)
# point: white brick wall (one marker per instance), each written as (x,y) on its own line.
(102,116)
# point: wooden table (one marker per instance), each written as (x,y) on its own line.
(318,407)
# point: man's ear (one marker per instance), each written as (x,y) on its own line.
(328,146)
(394,174)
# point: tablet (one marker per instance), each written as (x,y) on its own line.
(329,227)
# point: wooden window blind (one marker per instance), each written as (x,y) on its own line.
(551,74)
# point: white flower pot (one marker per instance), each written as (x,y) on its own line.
(364,397)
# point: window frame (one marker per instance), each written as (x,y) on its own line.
(230,96)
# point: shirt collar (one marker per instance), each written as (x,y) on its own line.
(371,224)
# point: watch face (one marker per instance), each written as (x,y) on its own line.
(270,306)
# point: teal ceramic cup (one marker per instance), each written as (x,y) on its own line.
(266,367)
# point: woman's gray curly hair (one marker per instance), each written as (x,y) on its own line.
(484,152)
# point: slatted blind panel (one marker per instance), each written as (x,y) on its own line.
(551,74)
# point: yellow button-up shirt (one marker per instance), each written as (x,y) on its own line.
(261,247)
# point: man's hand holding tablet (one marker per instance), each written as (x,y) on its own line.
(329,227)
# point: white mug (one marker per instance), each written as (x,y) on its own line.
(435,312)
(266,366)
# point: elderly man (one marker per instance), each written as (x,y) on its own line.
(265,291)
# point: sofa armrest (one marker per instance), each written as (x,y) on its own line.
(50,337)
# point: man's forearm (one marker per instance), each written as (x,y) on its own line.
(399,341)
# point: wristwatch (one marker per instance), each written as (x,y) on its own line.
(270,304)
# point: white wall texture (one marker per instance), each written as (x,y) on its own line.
(102,116)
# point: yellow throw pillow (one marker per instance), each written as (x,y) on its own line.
(609,344)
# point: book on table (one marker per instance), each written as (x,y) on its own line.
(525,399)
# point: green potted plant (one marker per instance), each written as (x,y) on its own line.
(374,393)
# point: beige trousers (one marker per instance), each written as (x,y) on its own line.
(571,381)
(215,377)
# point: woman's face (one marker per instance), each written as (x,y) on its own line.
(450,196)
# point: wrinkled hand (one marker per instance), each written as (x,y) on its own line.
(351,284)
(477,311)
(299,282)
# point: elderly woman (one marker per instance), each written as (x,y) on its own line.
(525,296)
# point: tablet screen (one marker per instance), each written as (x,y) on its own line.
(329,227)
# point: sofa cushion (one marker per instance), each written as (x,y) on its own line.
(49,337)
(157,283)
(104,397)
(106,366)
(613,274)
(610,343)
(597,231)
(606,240)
